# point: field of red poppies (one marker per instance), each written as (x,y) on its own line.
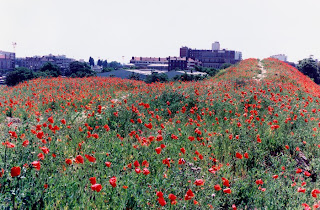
(229,142)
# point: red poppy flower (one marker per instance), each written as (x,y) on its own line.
(172,197)
(113,181)
(45,150)
(41,156)
(40,135)
(50,119)
(36,165)
(25,143)
(227,190)
(137,170)
(159,194)
(217,187)
(93,180)
(15,171)
(145,171)
(68,161)
(63,121)
(96,187)
(1,172)
(108,164)
(159,138)
(225,182)
(259,181)
(158,150)
(161,201)
(246,155)
(189,195)
(238,155)
(183,150)
(136,164)
(199,182)
(306,173)
(80,159)
(90,158)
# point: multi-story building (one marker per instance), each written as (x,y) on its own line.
(182,63)
(281,57)
(213,58)
(7,60)
(144,62)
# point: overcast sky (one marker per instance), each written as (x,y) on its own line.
(110,29)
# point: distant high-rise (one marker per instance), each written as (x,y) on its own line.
(215,46)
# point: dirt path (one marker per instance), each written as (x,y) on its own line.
(262,74)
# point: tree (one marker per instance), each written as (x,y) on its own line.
(105,64)
(79,69)
(99,63)
(50,70)
(114,64)
(91,61)
(19,75)
(225,65)
(309,67)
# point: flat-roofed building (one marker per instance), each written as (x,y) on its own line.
(281,57)
(144,62)
(7,60)
(182,63)
(213,58)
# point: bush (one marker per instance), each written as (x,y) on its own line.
(134,76)
(79,69)
(19,75)
(50,70)
(188,77)
(107,69)
(155,77)
(210,71)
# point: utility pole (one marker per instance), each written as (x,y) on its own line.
(14,44)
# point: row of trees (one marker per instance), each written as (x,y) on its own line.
(76,69)
(113,65)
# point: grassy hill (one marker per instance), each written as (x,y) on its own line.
(231,141)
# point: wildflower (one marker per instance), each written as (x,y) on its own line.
(96,187)
(217,187)
(227,190)
(113,181)
(80,159)
(93,180)
(238,155)
(90,158)
(108,164)
(15,171)
(199,182)
(189,195)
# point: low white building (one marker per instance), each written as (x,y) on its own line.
(281,57)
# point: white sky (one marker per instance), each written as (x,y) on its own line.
(110,29)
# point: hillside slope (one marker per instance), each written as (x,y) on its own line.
(230,141)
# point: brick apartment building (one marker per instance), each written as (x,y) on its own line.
(7,60)
(182,63)
(213,58)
